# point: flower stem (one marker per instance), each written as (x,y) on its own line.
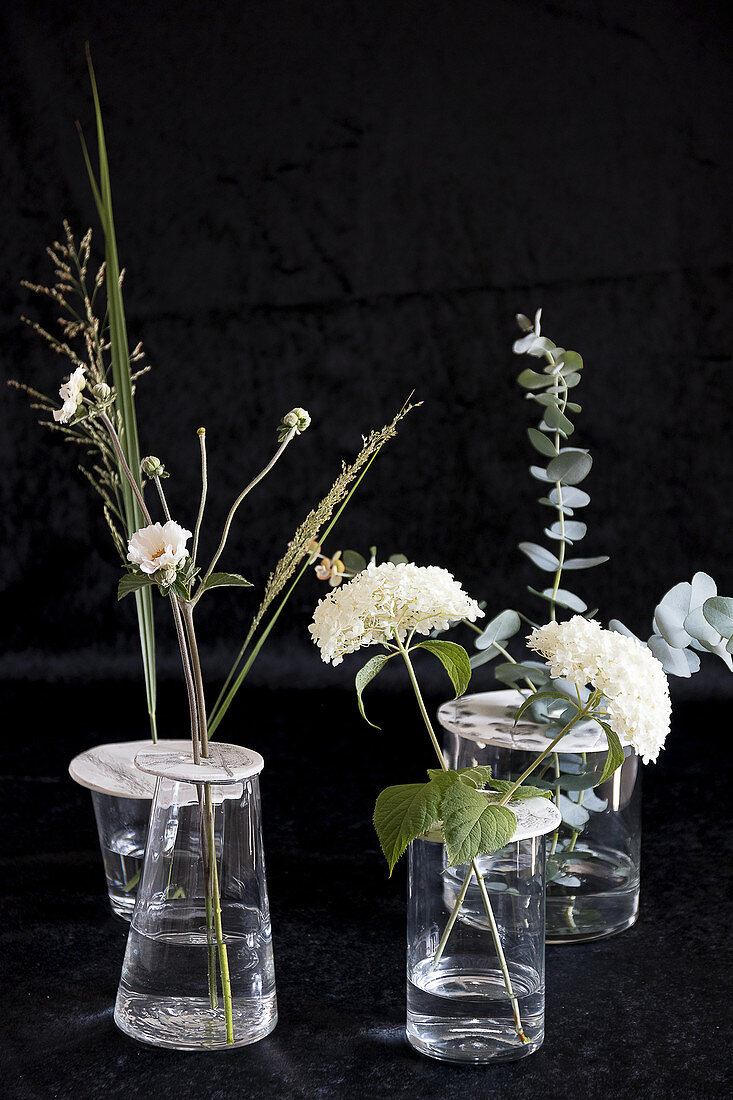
(474,864)
(204,488)
(123,464)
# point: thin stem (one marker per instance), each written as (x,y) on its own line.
(507,654)
(161,494)
(123,463)
(233,509)
(197,678)
(558,491)
(204,488)
(188,677)
(545,753)
(226,985)
(474,864)
(451,920)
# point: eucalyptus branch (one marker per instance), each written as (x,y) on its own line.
(204,487)
(233,509)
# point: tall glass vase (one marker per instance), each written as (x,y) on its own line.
(198,971)
(469,999)
(593,857)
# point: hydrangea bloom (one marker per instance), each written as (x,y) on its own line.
(158,546)
(634,686)
(70,394)
(387,601)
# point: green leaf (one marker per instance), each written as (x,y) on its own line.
(570,466)
(454,660)
(522,792)
(365,676)
(511,673)
(584,563)
(573,498)
(573,406)
(530,380)
(472,825)
(563,598)
(555,419)
(545,398)
(571,380)
(572,531)
(616,754)
(553,504)
(572,362)
(533,699)
(475,777)
(402,814)
(540,556)
(501,628)
(225,580)
(398,559)
(539,473)
(133,582)
(718,611)
(541,443)
(353,561)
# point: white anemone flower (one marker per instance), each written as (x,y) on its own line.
(70,394)
(385,602)
(158,546)
(632,680)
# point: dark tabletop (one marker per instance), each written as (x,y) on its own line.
(644,1013)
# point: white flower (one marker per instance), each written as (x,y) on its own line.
(632,680)
(70,394)
(158,547)
(387,601)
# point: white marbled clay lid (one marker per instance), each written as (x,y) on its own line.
(535,817)
(488,717)
(224,764)
(110,769)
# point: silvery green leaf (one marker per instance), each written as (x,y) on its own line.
(501,628)
(540,474)
(398,559)
(541,443)
(524,322)
(674,661)
(718,611)
(593,803)
(573,406)
(692,660)
(555,419)
(570,466)
(576,498)
(618,628)
(584,563)
(563,598)
(540,556)
(571,532)
(729,647)
(530,380)
(511,673)
(545,398)
(540,347)
(670,614)
(573,361)
(523,344)
(703,588)
(572,814)
(697,625)
(537,320)
(483,657)
(553,504)
(354,562)
(571,380)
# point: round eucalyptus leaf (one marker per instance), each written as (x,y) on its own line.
(540,556)
(556,419)
(576,498)
(541,443)
(573,361)
(540,474)
(545,398)
(702,588)
(503,627)
(718,612)
(558,508)
(697,625)
(540,347)
(670,614)
(571,380)
(673,660)
(530,380)
(572,814)
(570,466)
(573,531)
(574,407)
(618,628)
(584,563)
(353,561)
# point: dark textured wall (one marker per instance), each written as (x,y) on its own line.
(332,204)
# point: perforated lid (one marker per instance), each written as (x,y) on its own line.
(225,764)
(110,769)
(535,817)
(489,717)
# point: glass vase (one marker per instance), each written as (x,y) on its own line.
(593,857)
(198,971)
(121,796)
(471,999)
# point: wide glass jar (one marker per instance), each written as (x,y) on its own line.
(476,945)
(198,972)
(593,857)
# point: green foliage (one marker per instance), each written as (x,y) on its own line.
(226,580)
(403,813)
(365,676)
(133,582)
(454,660)
(472,825)
(616,754)
(519,793)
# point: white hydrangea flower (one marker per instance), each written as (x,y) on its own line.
(70,394)
(387,601)
(158,546)
(632,680)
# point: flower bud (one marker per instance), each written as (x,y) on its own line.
(293,423)
(166,576)
(102,392)
(152,467)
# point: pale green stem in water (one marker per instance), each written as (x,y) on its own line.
(204,489)
(233,509)
(474,865)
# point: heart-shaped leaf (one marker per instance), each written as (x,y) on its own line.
(472,825)
(402,814)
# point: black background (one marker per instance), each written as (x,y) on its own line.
(332,204)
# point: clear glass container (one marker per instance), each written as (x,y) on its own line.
(198,971)
(459,1009)
(122,796)
(593,857)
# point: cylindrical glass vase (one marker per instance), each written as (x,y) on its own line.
(469,999)
(122,796)
(198,972)
(593,857)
